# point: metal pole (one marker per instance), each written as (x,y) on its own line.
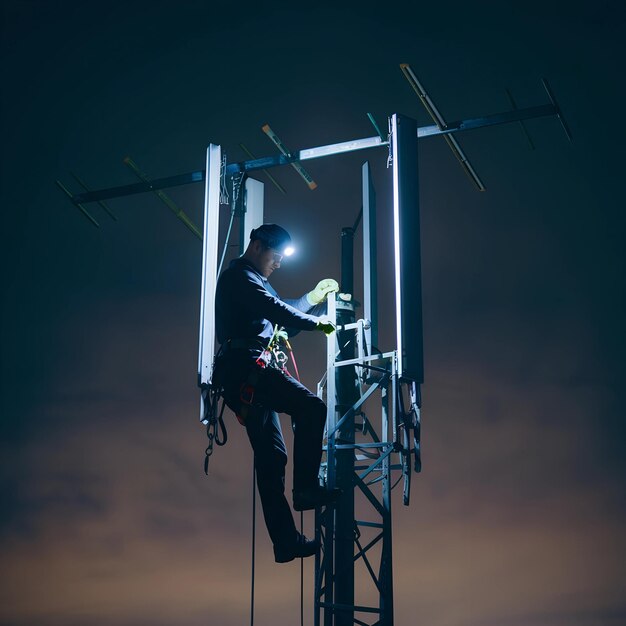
(385,575)
(325,580)
(370,277)
(347,394)
(347,260)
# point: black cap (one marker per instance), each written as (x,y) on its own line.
(272,235)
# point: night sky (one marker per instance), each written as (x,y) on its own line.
(518,517)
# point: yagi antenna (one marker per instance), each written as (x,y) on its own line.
(434,113)
(296,166)
(104,206)
(167,201)
(266,172)
(521,123)
(557,109)
(376,127)
(79,205)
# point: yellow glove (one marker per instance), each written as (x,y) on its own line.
(328,328)
(323,288)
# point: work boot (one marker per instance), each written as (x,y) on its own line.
(312,498)
(301,548)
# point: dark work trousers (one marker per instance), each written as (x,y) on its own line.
(274,393)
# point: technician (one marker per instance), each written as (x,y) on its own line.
(248,311)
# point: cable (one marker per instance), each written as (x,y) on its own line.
(236,189)
(230,226)
(223,188)
(301,574)
(253,540)
(295,365)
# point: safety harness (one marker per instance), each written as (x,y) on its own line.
(273,355)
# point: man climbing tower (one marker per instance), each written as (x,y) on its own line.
(248,314)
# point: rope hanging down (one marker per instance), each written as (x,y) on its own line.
(281,360)
(217,434)
(253,541)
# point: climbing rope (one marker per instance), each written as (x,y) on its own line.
(301,574)
(253,559)
(253,541)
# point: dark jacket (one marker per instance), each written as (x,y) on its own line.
(247,306)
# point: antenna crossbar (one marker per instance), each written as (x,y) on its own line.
(296,166)
(314,153)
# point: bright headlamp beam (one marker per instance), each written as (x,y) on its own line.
(289,250)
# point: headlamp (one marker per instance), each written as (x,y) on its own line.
(275,237)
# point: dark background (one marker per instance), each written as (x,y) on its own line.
(107,517)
